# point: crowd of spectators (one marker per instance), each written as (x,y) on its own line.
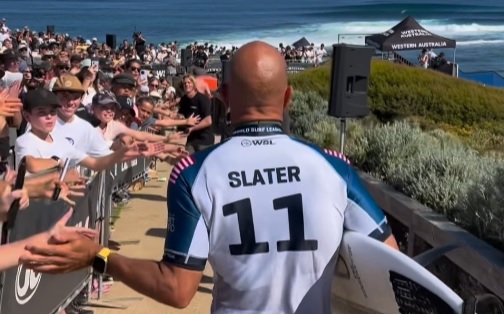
(79,101)
(303,53)
(428,59)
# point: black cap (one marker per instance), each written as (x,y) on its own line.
(126,103)
(124,78)
(39,98)
(8,56)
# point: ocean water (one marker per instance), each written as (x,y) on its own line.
(478,26)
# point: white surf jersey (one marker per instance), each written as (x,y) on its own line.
(268,212)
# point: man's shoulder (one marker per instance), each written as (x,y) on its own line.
(190,166)
(337,160)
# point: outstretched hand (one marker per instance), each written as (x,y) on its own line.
(173,137)
(138,149)
(52,251)
(66,190)
(193,120)
(10,103)
(7,195)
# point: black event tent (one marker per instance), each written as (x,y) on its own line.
(408,35)
(303,42)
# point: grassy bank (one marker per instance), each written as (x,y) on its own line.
(413,152)
(432,100)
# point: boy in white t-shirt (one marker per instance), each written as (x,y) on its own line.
(80,133)
(43,149)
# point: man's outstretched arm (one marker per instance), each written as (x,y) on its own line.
(172,281)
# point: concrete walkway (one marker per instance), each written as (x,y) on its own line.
(141,230)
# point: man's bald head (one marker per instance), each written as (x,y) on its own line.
(257,88)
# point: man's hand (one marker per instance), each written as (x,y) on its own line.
(10,175)
(10,103)
(14,91)
(144,149)
(175,150)
(151,149)
(66,191)
(7,197)
(62,249)
(73,177)
(173,137)
(193,120)
(141,82)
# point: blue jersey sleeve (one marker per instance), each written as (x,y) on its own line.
(186,243)
(362,213)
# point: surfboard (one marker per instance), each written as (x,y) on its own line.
(371,277)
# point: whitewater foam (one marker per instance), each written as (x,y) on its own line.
(354,33)
(481,42)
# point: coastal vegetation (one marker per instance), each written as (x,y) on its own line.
(473,112)
(434,138)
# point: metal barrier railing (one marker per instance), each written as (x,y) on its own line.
(22,290)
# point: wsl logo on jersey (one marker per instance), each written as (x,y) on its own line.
(263,142)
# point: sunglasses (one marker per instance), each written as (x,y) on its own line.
(134,69)
(111,107)
(64,67)
(154,85)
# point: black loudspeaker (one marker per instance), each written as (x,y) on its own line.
(226,66)
(110,40)
(50,29)
(186,58)
(351,66)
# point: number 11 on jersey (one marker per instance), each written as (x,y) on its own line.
(249,245)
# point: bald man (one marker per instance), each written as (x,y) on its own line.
(266,210)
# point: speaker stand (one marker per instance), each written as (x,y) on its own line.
(342,135)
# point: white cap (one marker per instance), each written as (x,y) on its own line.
(86,63)
(94,39)
(144,89)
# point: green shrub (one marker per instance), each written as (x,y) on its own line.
(397,91)
(433,167)
(482,210)
(437,176)
(387,146)
(307,110)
